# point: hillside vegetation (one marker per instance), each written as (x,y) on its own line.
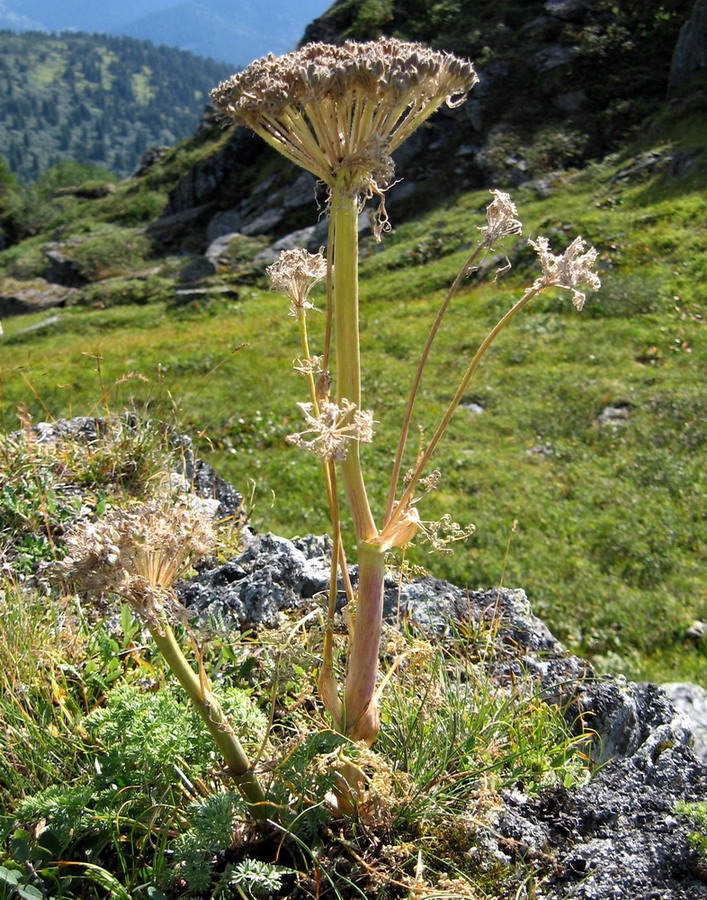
(566,80)
(96,99)
(589,430)
(579,452)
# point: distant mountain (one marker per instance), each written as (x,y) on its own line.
(96,99)
(234,32)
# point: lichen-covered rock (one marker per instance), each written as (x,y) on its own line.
(616,837)
(254,588)
(19,297)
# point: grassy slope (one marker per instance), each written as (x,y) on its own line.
(609,517)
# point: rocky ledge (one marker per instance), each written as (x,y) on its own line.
(617,837)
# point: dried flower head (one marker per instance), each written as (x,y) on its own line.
(442,533)
(575,267)
(501,219)
(294,274)
(345,109)
(137,553)
(311,365)
(333,428)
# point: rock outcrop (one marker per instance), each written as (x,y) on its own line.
(559,83)
(690,56)
(616,838)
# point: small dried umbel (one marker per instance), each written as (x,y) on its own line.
(501,219)
(294,274)
(138,554)
(575,267)
(331,109)
(333,429)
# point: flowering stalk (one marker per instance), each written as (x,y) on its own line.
(138,554)
(340,112)
(196,687)
(347,349)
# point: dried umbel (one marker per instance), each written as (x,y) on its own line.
(501,219)
(574,268)
(345,109)
(333,429)
(294,274)
(138,554)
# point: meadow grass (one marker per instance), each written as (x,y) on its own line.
(609,511)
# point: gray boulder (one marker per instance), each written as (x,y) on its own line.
(690,55)
(20,297)
(61,266)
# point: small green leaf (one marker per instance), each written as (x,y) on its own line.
(9,877)
(29,892)
(20,845)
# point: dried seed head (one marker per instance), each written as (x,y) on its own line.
(333,428)
(295,273)
(312,365)
(137,553)
(501,219)
(575,267)
(444,532)
(343,110)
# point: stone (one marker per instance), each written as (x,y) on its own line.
(61,266)
(691,700)
(645,165)
(302,192)
(254,588)
(475,409)
(614,415)
(568,10)
(19,297)
(690,54)
(264,222)
(39,326)
(218,249)
(304,238)
(195,269)
(227,221)
(167,226)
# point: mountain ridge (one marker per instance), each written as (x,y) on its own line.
(209,28)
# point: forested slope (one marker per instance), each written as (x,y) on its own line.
(95,98)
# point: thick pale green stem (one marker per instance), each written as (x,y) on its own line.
(361,712)
(209,709)
(348,358)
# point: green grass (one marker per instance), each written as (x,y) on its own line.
(110,783)
(609,515)
(108,779)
